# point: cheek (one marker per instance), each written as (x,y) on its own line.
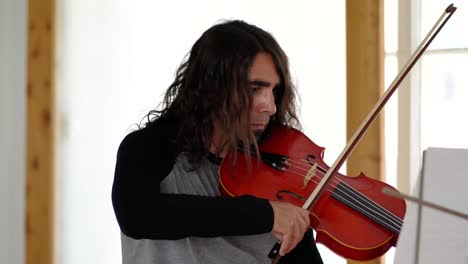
(256,103)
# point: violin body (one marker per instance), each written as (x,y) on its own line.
(350,224)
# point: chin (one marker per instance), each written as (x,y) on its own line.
(258,133)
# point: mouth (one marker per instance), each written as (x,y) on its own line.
(257,126)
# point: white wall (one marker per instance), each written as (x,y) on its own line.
(116,58)
(13,44)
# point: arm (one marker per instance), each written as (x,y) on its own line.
(144,159)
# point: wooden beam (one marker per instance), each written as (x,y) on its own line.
(40,133)
(365,80)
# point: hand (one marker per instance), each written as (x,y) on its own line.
(290,224)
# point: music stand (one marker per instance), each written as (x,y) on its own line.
(435,228)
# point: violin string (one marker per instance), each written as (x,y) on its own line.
(393,222)
(353,190)
(349,193)
(301,175)
(389,215)
(379,218)
(339,181)
(297,173)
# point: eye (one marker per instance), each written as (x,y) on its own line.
(256,89)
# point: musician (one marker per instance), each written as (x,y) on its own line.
(234,83)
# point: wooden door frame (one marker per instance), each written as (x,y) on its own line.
(40,145)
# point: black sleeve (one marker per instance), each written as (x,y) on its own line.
(144,159)
(305,252)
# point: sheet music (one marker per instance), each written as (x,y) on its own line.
(443,237)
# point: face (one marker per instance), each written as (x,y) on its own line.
(263,79)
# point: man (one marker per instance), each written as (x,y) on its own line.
(233,85)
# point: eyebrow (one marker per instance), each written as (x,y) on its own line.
(260,83)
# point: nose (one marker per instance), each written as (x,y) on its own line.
(267,103)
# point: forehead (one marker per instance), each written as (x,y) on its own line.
(263,68)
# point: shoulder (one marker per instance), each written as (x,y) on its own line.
(156,135)
(152,145)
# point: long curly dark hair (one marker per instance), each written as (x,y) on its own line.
(212,86)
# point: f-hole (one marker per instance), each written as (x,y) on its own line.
(286,192)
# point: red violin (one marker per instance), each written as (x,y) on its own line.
(352,217)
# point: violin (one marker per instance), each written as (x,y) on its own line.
(351,215)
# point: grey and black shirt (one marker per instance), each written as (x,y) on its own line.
(170,213)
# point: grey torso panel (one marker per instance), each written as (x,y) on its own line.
(231,249)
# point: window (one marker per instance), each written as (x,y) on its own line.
(434,99)
(444,82)
(391,108)
(430,107)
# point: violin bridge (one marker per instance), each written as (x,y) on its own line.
(309,175)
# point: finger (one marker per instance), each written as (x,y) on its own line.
(291,237)
(278,235)
(284,245)
(303,218)
(305,223)
(297,233)
(306,217)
